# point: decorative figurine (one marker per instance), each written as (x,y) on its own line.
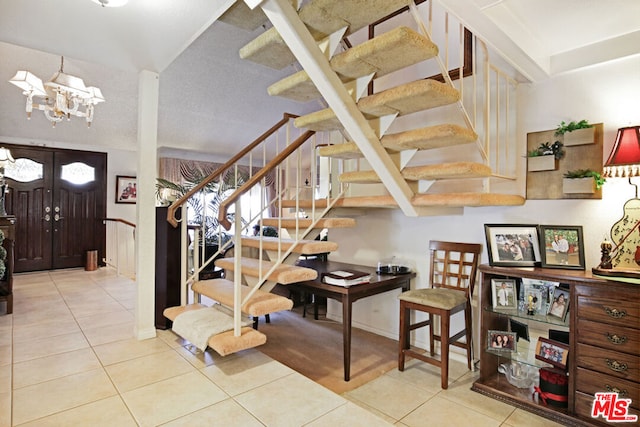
(531,305)
(605,249)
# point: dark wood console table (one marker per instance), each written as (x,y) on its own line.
(348,295)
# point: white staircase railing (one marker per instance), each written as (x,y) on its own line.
(120,251)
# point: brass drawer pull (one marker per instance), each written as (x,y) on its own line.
(615,313)
(615,339)
(621,393)
(616,366)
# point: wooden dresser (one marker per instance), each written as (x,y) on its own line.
(604,343)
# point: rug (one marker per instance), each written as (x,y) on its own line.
(314,349)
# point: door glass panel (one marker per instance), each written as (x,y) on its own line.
(24,170)
(78,173)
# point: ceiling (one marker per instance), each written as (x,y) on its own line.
(210,100)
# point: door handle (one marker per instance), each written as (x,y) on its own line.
(47,218)
(57,217)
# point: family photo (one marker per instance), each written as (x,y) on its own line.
(563,247)
(512,245)
(502,340)
(504,294)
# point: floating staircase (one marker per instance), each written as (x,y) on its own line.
(378,156)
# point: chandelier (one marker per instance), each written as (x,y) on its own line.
(61,97)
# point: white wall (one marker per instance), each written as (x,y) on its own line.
(608,93)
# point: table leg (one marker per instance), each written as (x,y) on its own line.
(346,335)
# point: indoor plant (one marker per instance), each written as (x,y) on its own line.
(545,157)
(582,181)
(576,133)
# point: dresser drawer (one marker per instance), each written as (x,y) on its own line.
(621,312)
(584,405)
(613,337)
(621,365)
(591,382)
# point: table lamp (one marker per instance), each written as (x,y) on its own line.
(5,157)
(621,256)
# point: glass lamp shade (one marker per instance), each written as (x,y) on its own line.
(624,160)
(5,155)
(28,83)
(68,83)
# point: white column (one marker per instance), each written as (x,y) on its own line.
(148,89)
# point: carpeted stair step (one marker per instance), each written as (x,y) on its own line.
(467,199)
(283,273)
(224,343)
(455,170)
(307,247)
(384,54)
(261,303)
(303,223)
(426,138)
(242,16)
(322,18)
(404,99)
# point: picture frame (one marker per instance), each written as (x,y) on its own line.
(513,245)
(559,304)
(539,298)
(521,329)
(126,189)
(502,341)
(552,352)
(562,246)
(504,294)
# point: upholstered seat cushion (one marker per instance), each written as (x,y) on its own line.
(442,298)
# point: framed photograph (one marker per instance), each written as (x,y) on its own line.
(553,352)
(501,341)
(559,303)
(504,294)
(511,245)
(126,189)
(562,246)
(534,298)
(521,329)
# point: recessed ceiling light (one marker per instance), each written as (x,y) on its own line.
(110,3)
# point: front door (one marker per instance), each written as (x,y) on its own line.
(59,200)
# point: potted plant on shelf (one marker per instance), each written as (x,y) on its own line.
(545,157)
(576,133)
(582,181)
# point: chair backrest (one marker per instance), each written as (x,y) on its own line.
(454,265)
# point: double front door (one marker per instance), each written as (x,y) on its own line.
(59,200)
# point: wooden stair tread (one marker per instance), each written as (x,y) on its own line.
(322,18)
(259,304)
(403,99)
(224,343)
(456,170)
(467,199)
(303,223)
(283,273)
(431,137)
(309,247)
(384,54)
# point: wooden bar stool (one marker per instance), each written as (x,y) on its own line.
(452,279)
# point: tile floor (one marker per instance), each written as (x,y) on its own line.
(68,358)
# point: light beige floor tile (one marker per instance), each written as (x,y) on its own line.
(460,392)
(371,409)
(40,315)
(103,413)
(391,396)
(5,335)
(111,333)
(198,358)
(105,319)
(223,414)
(5,409)
(55,366)
(39,400)
(149,369)
(47,346)
(5,378)
(521,418)
(441,412)
(119,351)
(49,329)
(173,340)
(84,309)
(6,320)
(170,399)
(350,415)
(293,400)
(249,370)
(5,355)
(128,303)
(426,376)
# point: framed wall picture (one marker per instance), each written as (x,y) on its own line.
(553,352)
(126,190)
(512,245)
(504,294)
(502,341)
(562,246)
(559,304)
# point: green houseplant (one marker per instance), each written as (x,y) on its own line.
(571,126)
(576,133)
(545,157)
(586,173)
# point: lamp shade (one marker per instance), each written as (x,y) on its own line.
(28,83)
(5,155)
(624,160)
